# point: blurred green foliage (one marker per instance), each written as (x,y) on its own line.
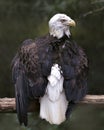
(84,117)
(23,19)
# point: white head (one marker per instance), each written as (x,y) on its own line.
(59,25)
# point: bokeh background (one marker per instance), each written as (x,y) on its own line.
(23,19)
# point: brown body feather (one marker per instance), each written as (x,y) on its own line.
(33,64)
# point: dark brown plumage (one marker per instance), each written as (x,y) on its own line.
(32,65)
(52,69)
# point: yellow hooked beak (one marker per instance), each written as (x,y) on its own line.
(72,23)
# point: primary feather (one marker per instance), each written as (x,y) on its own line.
(52,69)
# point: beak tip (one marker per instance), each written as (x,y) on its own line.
(72,23)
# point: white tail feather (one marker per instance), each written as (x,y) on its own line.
(53,104)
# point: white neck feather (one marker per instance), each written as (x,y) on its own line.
(59,32)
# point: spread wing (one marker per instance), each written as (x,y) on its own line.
(29,72)
(75,72)
(75,75)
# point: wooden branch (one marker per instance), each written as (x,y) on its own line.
(8,104)
(93,99)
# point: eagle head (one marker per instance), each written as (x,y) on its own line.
(59,25)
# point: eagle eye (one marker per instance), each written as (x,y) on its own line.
(63,20)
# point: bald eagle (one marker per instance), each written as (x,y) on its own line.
(52,69)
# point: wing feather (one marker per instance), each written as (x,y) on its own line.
(75,71)
(28,77)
